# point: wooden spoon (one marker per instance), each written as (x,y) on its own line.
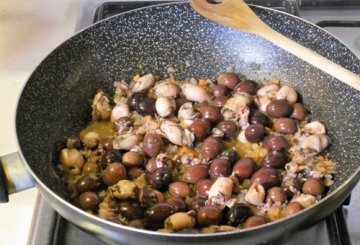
(238,15)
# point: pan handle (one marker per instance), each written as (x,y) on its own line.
(13,176)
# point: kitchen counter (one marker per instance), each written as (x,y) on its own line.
(29,30)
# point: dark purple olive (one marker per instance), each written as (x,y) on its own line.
(276,194)
(237,214)
(219,90)
(151,165)
(181,101)
(229,128)
(209,215)
(219,167)
(220,101)
(313,187)
(211,147)
(148,196)
(279,108)
(299,112)
(275,143)
(197,203)
(210,113)
(228,79)
(122,122)
(259,118)
(110,156)
(195,173)
(179,189)
(146,106)
(267,177)
(152,144)
(130,210)
(255,133)
(135,100)
(87,183)
(203,186)
(244,168)
(90,168)
(275,159)
(113,173)
(157,214)
(201,128)
(254,220)
(292,184)
(89,200)
(160,179)
(247,86)
(292,208)
(285,126)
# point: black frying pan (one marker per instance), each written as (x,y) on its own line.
(55,100)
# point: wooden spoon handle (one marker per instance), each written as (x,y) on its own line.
(311,57)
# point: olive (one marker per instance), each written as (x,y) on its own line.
(290,185)
(113,173)
(247,86)
(152,144)
(229,128)
(219,167)
(146,106)
(157,214)
(181,101)
(134,173)
(90,168)
(244,168)
(220,101)
(86,183)
(122,122)
(279,108)
(197,203)
(210,113)
(231,155)
(89,200)
(257,117)
(267,177)
(254,220)
(177,202)
(201,128)
(151,165)
(160,179)
(208,215)
(275,159)
(211,147)
(179,189)
(130,210)
(237,214)
(203,186)
(132,159)
(275,143)
(276,194)
(148,196)
(219,90)
(135,100)
(228,79)
(255,133)
(110,156)
(299,112)
(313,187)
(195,173)
(285,126)
(107,143)
(292,208)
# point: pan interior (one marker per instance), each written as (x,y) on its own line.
(56,100)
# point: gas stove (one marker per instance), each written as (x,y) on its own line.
(341,18)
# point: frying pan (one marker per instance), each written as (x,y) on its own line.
(55,101)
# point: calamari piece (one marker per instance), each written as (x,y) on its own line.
(314,127)
(255,195)
(101,109)
(220,191)
(165,106)
(176,134)
(238,102)
(120,110)
(269,91)
(318,143)
(194,92)
(168,89)
(288,93)
(126,141)
(187,112)
(144,83)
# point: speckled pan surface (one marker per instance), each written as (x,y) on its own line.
(56,99)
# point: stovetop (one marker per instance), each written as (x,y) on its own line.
(340,228)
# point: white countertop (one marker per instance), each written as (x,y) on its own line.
(29,30)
